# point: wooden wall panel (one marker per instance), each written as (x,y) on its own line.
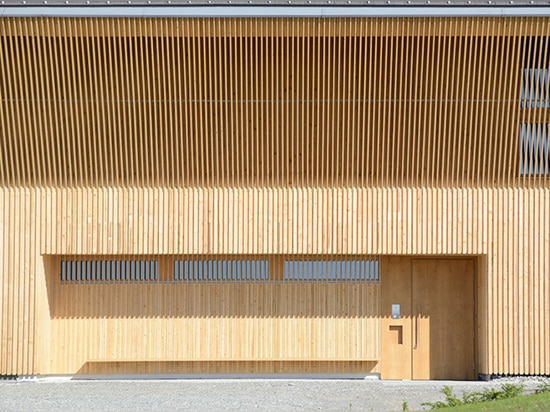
(18,263)
(514,298)
(86,224)
(362,137)
(212,322)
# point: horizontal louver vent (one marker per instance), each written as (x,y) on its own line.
(115,271)
(331,270)
(221,270)
(275,269)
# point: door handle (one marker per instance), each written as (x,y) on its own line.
(416,327)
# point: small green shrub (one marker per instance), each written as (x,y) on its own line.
(510,391)
(450,399)
(490,394)
(405,406)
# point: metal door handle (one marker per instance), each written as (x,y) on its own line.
(416,327)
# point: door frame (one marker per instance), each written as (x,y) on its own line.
(396,273)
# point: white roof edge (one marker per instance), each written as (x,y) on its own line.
(270,11)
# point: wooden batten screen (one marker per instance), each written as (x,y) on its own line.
(271,102)
(288,141)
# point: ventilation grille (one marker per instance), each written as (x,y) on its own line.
(115,271)
(331,270)
(273,269)
(221,270)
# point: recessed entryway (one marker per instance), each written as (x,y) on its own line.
(427,323)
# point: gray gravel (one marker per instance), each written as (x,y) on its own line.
(232,395)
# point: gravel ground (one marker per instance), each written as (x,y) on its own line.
(232,394)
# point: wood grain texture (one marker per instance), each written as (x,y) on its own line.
(259,137)
(443,295)
(212,322)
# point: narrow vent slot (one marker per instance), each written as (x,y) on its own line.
(231,270)
(109,271)
(331,270)
(534,149)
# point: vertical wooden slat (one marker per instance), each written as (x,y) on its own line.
(12,152)
(4,164)
(4,250)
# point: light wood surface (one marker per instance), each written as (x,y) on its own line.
(433,338)
(475,216)
(222,322)
(396,334)
(443,319)
(299,137)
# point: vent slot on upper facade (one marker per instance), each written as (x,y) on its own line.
(534,150)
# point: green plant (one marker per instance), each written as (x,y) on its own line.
(450,399)
(506,391)
(490,394)
(510,391)
(405,406)
(539,402)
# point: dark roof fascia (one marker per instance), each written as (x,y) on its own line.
(256,11)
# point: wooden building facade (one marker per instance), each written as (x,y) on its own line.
(275,195)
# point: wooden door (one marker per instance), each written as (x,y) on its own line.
(443,319)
